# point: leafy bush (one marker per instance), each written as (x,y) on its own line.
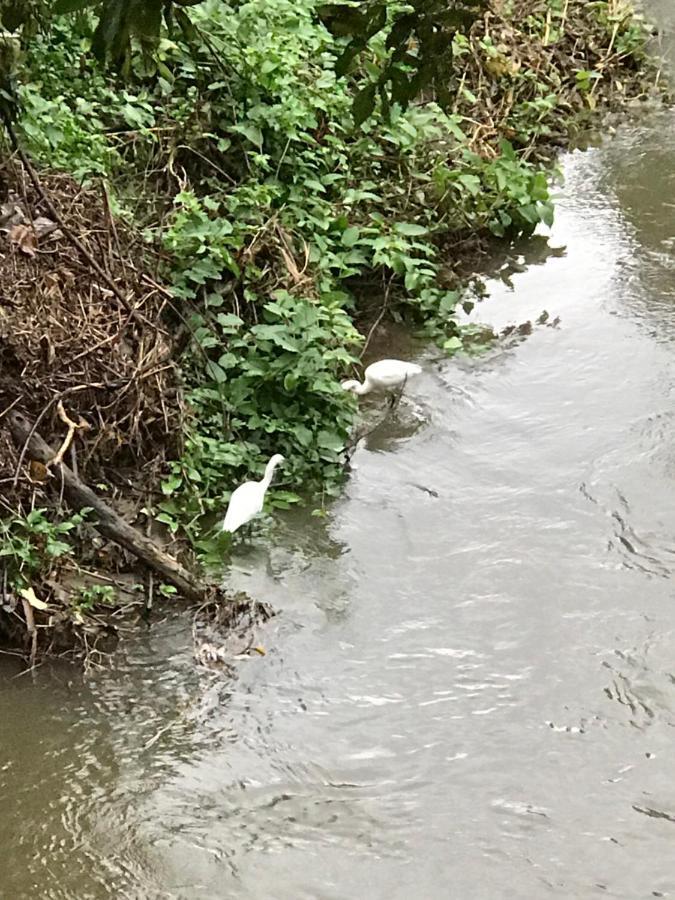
(504,195)
(30,545)
(274,388)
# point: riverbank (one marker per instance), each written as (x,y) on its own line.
(269,224)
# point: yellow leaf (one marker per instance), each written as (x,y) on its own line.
(29,595)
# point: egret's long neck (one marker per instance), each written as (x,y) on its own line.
(364,388)
(269,472)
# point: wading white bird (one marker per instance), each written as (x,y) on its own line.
(383,375)
(247,500)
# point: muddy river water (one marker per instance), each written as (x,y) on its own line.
(470,689)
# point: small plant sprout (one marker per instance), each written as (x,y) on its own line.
(247,500)
(92,595)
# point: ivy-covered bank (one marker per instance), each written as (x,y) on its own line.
(274,211)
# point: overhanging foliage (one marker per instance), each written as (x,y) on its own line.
(418,47)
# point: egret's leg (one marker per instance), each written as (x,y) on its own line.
(243,533)
(396,397)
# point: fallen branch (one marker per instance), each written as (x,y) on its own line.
(109,523)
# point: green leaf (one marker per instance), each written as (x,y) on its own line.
(227,360)
(164,72)
(229,320)
(449,301)
(530,213)
(364,104)
(453,343)
(166,519)
(507,150)
(278,334)
(303,434)
(315,185)
(546,212)
(252,132)
(409,229)
(471,183)
(185,23)
(219,375)
(328,440)
(350,236)
(171,484)
(344,61)
(57,548)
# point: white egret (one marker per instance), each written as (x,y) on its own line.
(383,376)
(247,500)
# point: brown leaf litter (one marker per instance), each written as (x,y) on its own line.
(68,352)
(95,375)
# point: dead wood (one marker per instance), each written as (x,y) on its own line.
(108,522)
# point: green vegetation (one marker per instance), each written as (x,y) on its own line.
(31,545)
(274,157)
(90,596)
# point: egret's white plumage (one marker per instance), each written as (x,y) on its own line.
(247,500)
(383,376)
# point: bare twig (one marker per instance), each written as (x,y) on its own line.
(382,313)
(8,408)
(72,428)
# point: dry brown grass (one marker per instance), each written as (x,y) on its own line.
(66,338)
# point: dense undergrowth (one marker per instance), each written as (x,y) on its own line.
(280,226)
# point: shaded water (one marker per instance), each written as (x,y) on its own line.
(468,693)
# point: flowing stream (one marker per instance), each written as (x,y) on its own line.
(469,691)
